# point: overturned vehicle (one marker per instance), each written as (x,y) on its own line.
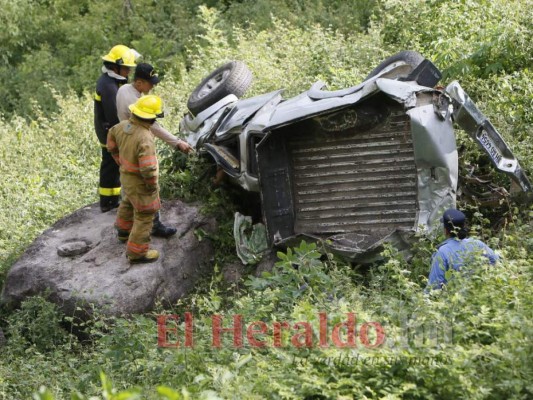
(353,168)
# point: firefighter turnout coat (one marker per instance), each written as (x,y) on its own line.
(132,146)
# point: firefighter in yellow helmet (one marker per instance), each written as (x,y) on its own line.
(144,79)
(117,66)
(131,144)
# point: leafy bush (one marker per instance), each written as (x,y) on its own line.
(50,168)
(460,342)
(37,323)
(61,42)
(464,38)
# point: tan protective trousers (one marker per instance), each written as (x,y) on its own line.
(136,214)
(139,224)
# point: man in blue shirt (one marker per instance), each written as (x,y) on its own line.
(457,250)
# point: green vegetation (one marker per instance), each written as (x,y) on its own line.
(60,41)
(470,341)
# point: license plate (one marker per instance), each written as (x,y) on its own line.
(490,147)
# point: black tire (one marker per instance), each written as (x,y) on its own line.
(231,78)
(411,58)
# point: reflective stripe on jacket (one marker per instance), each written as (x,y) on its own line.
(132,146)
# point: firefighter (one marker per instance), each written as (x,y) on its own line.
(144,79)
(131,144)
(117,66)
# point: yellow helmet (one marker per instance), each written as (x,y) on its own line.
(121,55)
(148,107)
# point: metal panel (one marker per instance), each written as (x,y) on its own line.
(354,181)
(278,209)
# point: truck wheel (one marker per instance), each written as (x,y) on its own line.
(411,58)
(231,78)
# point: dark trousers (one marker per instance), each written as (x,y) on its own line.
(109,189)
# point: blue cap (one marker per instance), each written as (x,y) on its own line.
(453,218)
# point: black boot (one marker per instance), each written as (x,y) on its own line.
(107,203)
(123,235)
(160,230)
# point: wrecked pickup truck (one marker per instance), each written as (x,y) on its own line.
(353,168)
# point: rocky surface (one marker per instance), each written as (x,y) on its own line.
(80,263)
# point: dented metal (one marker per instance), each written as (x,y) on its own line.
(472,120)
(353,168)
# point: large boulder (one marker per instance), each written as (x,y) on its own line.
(79,263)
